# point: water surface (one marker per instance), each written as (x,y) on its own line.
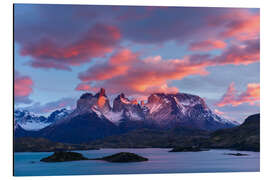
(160,161)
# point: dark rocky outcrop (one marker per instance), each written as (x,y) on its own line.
(188,149)
(123,157)
(62,156)
(236,154)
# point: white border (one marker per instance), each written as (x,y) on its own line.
(6,86)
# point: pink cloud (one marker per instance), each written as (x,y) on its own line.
(85,87)
(243,54)
(47,53)
(22,88)
(133,75)
(207,45)
(240,24)
(117,65)
(251,95)
(127,72)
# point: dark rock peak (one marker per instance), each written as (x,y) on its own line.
(101,93)
(123,157)
(122,95)
(86,96)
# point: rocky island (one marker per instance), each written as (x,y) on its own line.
(188,149)
(123,157)
(236,154)
(62,156)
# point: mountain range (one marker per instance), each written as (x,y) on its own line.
(32,122)
(94,118)
(244,137)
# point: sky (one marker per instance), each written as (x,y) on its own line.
(63,51)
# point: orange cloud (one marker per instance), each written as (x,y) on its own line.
(83,87)
(232,97)
(127,72)
(117,65)
(207,45)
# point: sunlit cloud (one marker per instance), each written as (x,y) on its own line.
(251,95)
(207,45)
(22,88)
(48,53)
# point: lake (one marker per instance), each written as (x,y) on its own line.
(160,161)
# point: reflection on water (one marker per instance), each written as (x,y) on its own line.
(160,161)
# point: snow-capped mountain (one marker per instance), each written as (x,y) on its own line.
(58,114)
(186,110)
(94,118)
(32,122)
(86,123)
(130,109)
(29,121)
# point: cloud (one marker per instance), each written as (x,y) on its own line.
(39,108)
(207,45)
(146,25)
(251,96)
(240,24)
(117,65)
(82,33)
(246,53)
(85,87)
(22,88)
(126,72)
(48,53)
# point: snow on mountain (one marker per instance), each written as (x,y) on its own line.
(161,110)
(171,110)
(114,117)
(130,109)
(58,114)
(125,100)
(32,122)
(154,107)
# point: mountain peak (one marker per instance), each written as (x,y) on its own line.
(102,92)
(122,95)
(86,96)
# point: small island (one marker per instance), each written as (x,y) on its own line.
(236,154)
(63,156)
(123,157)
(188,149)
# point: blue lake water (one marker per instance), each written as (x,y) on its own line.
(160,161)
